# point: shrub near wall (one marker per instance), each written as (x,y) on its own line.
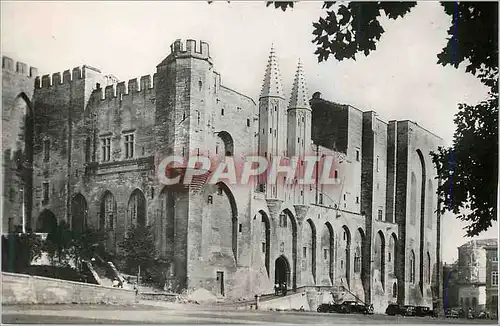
(26,289)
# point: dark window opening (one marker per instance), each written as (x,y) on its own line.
(46,150)
(129,146)
(87,149)
(106,149)
(45,194)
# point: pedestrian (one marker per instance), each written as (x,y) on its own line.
(116,283)
(276,289)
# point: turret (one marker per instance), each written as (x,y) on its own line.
(272,116)
(190,49)
(299,123)
(184,102)
(299,116)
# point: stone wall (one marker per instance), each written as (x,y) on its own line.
(27,289)
(17,134)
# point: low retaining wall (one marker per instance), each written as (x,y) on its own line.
(27,289)
(168,297)
(294,301)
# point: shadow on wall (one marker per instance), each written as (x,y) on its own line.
(380,304)
(415,295)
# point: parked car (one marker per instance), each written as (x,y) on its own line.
(452,313)
(483,315)
(408,310)
(348,307)
(393,310)
(327,307)
(422,311)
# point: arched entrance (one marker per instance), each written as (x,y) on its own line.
(46,222)
(282,271)
(79,213)
(265,238)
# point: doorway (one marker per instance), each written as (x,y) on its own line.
(282,271)
(220,282)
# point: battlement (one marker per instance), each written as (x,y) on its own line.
(19,67)
(188,49)
(66,77)
(191,47)
(120,89)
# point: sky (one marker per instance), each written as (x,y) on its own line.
(400,80)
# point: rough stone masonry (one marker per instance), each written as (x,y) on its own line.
(82,147)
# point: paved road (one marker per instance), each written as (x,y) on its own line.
(199,315)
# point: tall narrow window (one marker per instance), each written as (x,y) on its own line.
(129,142)
(46,150)
(357,260)
(248,122)
(87,149)
(412,267)
(380,215)
(109,212)
(494,278)
(377,165)
(46,191)
(106,149)
(357,155)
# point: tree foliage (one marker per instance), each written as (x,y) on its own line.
(85,244)
(64,245)
(19,250)
(139,252)
(139,249)
(468,170)
(58,244)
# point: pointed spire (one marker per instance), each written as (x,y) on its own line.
(272,85)
(300,97)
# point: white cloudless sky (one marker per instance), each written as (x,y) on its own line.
(400,80)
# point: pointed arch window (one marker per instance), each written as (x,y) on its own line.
(108,212)
(357,260)
(412,267)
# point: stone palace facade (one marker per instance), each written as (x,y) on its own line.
(82,147)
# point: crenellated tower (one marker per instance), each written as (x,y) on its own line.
(299,124)
(183,82)
(272,117)
(184,104)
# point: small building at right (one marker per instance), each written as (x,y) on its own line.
(477,270)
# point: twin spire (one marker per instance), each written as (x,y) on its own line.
(273,87)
